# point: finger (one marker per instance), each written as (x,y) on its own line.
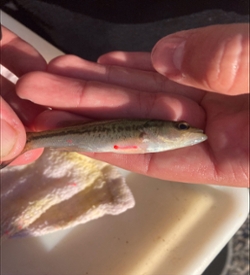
(51,119)
(73,66)
(13,138)
(13,135)
(213,58)
(100,100)
(135,60)
(27,157)
(26,110)
(19,56)
(144,81)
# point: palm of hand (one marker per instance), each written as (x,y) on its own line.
(106,91)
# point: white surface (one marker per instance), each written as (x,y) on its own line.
(175,228)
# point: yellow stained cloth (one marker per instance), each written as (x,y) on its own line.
(58,191)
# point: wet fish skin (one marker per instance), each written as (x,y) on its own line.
(118,136)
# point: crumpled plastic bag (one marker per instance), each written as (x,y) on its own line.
(58,191)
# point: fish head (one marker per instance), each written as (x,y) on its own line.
(178,134)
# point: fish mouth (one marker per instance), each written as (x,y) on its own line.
(196,130)
(203,137)
(197,136)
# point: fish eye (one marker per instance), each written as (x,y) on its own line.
(183,125)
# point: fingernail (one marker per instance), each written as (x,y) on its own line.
(8,139)
(168,55)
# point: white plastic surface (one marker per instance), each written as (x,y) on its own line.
(175,228)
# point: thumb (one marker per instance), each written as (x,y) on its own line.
(12,133)
(213,58)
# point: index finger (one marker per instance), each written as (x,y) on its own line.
(107,101)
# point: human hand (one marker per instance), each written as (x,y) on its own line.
(17,114)
(212,94)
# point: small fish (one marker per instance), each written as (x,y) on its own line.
(117,136)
